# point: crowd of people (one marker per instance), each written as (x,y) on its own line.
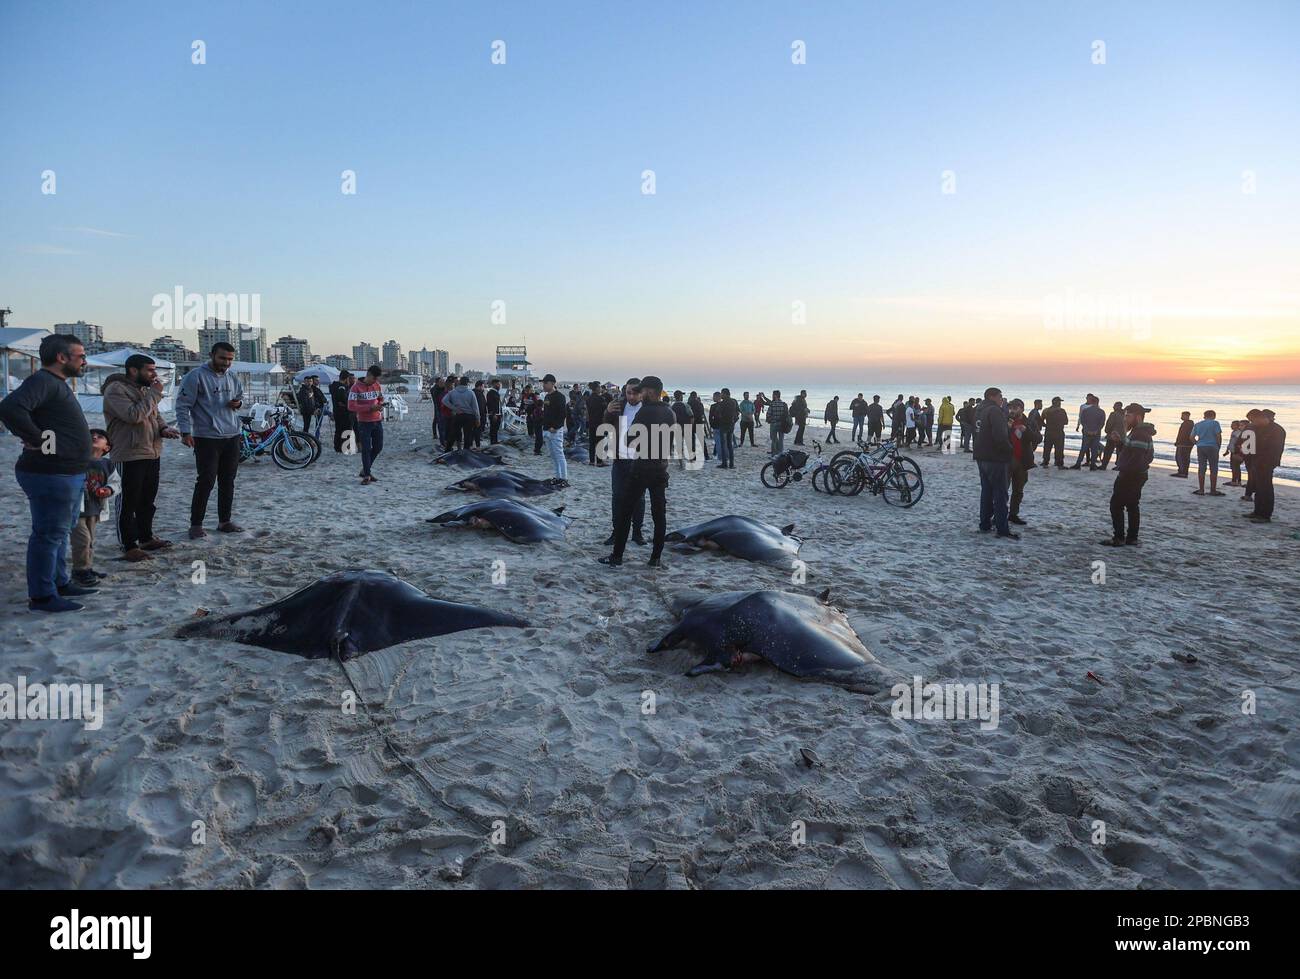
(69,471)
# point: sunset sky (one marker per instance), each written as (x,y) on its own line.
(799,223)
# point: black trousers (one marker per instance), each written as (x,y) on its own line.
(1110,450)
(494,428)
(306,420)
(746,425)
(1019,476)
(464,428)
(1126,498)
(1263,476)
(620,473)
(342,423)
(875,430)
(798,432)
(1054,440)
(218,462)
(641,478)
(139,490)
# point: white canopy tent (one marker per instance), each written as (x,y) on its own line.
(262,382)
(19,356)
(327,374)
(101,367)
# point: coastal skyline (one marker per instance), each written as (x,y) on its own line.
(948,193)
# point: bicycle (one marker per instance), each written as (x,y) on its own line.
(289,449)
(793,464)
(882,470)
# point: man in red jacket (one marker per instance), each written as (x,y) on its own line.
(366,401)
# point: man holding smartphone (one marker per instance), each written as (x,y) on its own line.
(205,415)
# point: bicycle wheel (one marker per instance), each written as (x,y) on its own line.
(820,480)
(773,480)
(912,472)
(294,451)
(847,477)
(898,487)
(315,444)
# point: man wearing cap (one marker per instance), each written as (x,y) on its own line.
(647,443)
(1265,454)
(1114,433)
(1133,461)
(555,413)
(619,415)
(1054,421)
(1183,446)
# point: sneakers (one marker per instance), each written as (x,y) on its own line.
(609,541)
(1017,520)
(1010,536)
(638,539)
(55,603)
(195,534)
(86,577)
(1113,542)
(71,590)
(612,561)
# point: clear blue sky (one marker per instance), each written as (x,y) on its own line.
(776,183)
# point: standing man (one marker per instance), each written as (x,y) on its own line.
(946,414)
(1134,459)
(464,413)
(1208,434)
(897,418)
(310,400)
(205,415)
(728,412)
(620,413)
(799,412)
(555,413)
(1268,445)
(858,411)
(366,403)
(993,456)
(1055,419)
(1091,419)
(648,474)
(1114,432)
(875,420)
(481,397)
(595,405)
(747,420)
(1035,422)
(1183,447)
(51,469)
(339,404)
(778,423)
(1022,456)
(136,430)
(832,417)
(493,401)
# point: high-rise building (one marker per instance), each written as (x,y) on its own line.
(252,345)
(363,355)
(341,362)
(423,361)
(217,331)
(459,369)
(171,349)
(392,356)
(440,367)
(89,334)
(294,353)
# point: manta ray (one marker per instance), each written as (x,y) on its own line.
(517,521)
(468,459)
(801,635)
(742,537)
(344,614)
(503,483)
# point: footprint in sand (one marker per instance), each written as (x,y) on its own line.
(236,803)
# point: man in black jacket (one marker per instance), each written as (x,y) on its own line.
(1183,446)
(649,438)
(618,417)
(722,416)
(799,412)
(595,404)
(993,456)
(1265,455)
(492,399)
(1133,461)
(1114,433)
(51,469)
(310,400)
(481,397)
(339,403)
(555,417)
(875,420)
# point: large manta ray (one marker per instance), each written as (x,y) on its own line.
(348,612)
(804,636)
(468,459)
(503,483)
(743,537)
(520,522)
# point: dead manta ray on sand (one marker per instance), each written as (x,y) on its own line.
(801,635)
(742,537)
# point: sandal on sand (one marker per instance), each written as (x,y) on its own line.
(155,544)
(1198,492)
(135,554)
(230,527)
(1217,493)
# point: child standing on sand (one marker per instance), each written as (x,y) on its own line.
(102,482)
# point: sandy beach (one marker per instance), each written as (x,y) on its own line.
(541,765)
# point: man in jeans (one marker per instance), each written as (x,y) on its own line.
(1092,417)
(205,415)
(51,469)
(366,403)
(555,413)
(136,430)
(777,416)
(1183,446)
(992,448)
(725,428)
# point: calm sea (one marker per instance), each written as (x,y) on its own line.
(1166,401)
